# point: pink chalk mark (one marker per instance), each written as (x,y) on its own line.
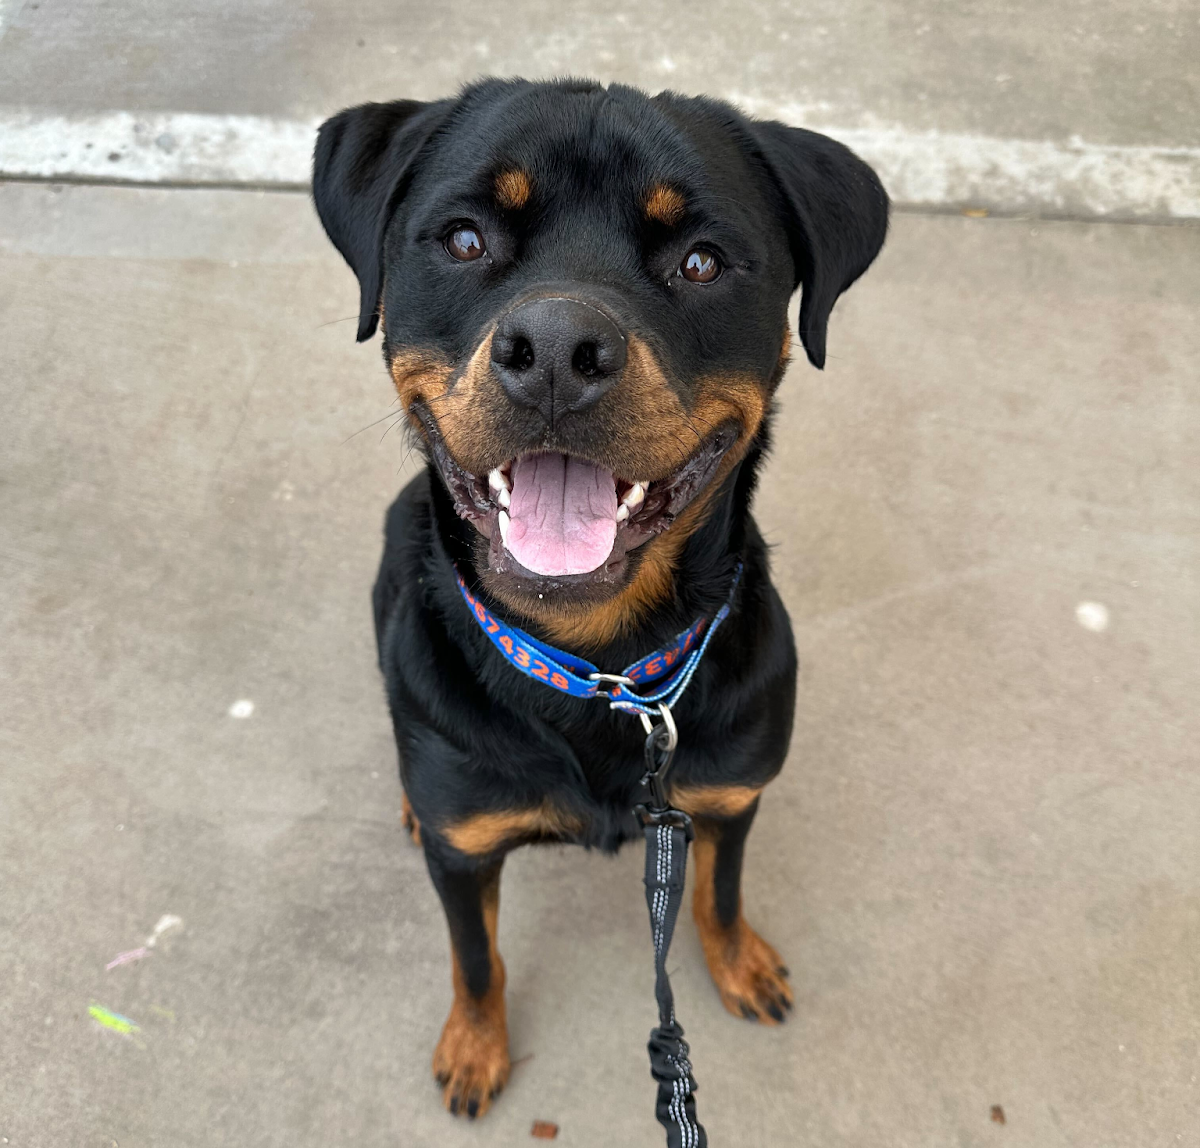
(127,958)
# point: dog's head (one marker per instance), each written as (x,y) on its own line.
(583,293)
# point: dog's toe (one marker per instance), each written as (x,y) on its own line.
(471,1064)
(751,978)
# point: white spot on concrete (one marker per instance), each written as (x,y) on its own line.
(667,64)
(284,492)
(242,708)
(165,922)
(1092,616)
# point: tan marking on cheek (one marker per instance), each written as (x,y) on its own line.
(513,189)
(465,413)
(485,832)
(785,352)
(663,434)
(419,375)
(457,399)
(664,205)
(720,398)
(714,800)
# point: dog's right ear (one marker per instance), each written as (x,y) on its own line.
(364,160)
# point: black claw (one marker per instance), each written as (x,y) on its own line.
(442,1078)
(776,1012)
(747,1011)
(454,1106)
(784,971)
(473,1107)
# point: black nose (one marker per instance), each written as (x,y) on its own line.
(557,355)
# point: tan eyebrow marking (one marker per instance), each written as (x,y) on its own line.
(513,189)
(664,204)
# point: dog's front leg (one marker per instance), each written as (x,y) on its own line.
(471,1061)
(748,972)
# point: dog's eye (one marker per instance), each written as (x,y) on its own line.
(700,265)
(465,243)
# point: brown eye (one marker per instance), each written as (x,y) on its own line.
(465,243)
(700,265)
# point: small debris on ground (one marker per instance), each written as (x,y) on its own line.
(113,1020)
(998,1115)
(975,212)
(165,922)
(544,1130)
(127,958)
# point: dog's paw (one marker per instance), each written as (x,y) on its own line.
(750,976)
(471,1062)
(409,820)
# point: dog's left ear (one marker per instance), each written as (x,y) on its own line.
(837,215)
(363,163)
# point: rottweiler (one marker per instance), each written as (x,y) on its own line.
(583,297)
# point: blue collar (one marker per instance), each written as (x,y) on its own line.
(669,669)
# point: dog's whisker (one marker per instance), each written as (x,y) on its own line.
(394,423)
(389,415)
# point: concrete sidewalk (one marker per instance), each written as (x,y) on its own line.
(1080,108)
(981,861)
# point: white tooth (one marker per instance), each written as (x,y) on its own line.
(503,497)
(502,518)
(634,496)
(622,512)
(498,480)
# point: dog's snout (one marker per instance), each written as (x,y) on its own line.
(557,355)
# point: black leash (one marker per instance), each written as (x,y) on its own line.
(668,832)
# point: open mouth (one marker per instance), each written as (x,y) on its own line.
(558,518)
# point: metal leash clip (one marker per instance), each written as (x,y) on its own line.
(661,742)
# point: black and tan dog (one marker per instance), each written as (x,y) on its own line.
(583,295)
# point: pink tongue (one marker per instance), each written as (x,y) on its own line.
(563,512)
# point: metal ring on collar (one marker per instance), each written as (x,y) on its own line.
(668,720)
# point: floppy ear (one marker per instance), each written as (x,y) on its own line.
(363,163)
(837,219)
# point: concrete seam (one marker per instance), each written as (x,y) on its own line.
(921,169)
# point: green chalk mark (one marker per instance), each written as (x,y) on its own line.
(113,1020)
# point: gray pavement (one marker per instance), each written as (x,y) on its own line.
(981,861)
(1112,72)
(1075,109)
